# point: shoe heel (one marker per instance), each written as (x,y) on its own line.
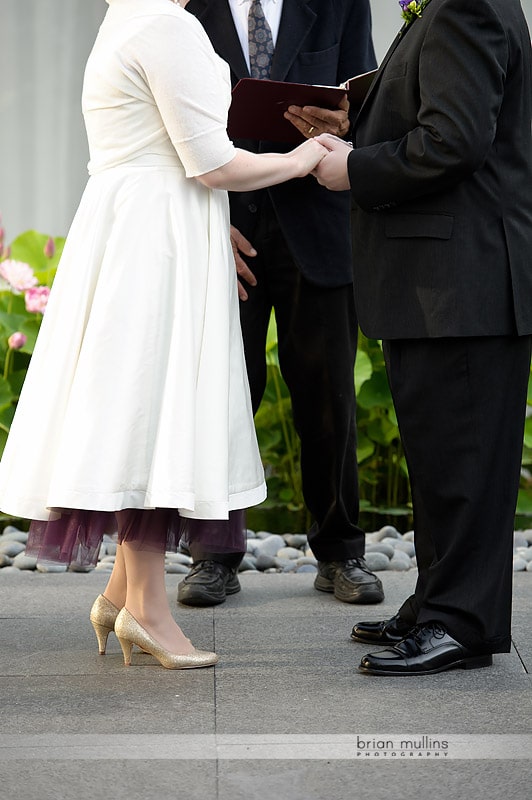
(102,632)
(476,662)
(127,647)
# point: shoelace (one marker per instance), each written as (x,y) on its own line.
(418,632)
(207,566)
(359,563)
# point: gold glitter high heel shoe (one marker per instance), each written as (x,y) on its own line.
(129,632)
(103,617)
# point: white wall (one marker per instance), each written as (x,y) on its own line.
(386,22)
(43,152)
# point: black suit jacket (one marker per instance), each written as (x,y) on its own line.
(441,176)
(319,41)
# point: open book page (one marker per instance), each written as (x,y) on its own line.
(357,87)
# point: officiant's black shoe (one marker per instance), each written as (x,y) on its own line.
(207,584)
(425,650)
(351,581)
(386,631)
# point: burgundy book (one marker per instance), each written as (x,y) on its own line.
(258,106)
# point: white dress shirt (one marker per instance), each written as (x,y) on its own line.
(240,10)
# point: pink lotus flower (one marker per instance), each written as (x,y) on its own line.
(49,248)
(36,299)
(17,340)
(18,275)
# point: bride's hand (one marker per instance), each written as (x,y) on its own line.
(308,155)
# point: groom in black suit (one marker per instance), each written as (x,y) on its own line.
(441,181)
(305,273)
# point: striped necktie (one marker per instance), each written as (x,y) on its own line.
(260,42)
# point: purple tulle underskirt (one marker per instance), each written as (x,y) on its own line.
(73,537)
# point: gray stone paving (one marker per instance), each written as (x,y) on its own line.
(277,719)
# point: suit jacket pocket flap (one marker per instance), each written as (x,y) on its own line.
(393,70)
(319,56)
(433,226)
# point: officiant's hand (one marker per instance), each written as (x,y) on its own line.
(332,172)
(312,121)
(240,244)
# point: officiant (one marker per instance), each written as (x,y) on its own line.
(293,252)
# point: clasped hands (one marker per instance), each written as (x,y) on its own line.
(327,127)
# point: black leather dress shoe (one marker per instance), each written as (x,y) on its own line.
(386,631)
(207,584)
(351,581)
(425,650)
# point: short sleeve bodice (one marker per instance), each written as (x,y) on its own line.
(154,89)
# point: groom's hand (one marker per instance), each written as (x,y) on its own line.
(332,172)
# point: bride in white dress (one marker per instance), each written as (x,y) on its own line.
(135,411)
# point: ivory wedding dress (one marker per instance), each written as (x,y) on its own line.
(137,395)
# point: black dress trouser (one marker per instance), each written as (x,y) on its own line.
(317,338)
(461,405)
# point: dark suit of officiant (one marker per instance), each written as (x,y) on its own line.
(303,267)
(441,179)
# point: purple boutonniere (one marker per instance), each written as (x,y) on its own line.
(412,9)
